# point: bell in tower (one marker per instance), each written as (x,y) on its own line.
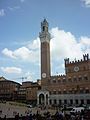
(44,26)
(44,34)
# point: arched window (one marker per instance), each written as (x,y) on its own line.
(75,90)
(70,91)
(54,92)
(86,90)
(43,28)
(81,90)
(75,79)
(54,80)
(64,80)
(65,92)
(69,79)
(85,78)
(80,78)
(59,92)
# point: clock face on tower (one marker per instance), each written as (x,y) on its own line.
(76,68)
(43,75)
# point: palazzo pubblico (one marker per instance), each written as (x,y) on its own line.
(73,88)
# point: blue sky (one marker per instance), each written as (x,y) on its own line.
(69,25)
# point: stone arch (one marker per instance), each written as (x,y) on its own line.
(41,99)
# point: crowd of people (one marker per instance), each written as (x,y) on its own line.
(59,115)
(41,113)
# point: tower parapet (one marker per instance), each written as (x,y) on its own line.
(86,57)
(66,61)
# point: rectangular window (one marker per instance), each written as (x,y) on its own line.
(65,101)
(88,101)
(76,101)
(71,101)
(60,102)
(82,101)
(55,102)
(50,101)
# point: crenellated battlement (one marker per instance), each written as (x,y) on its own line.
(56,76)
(85,58)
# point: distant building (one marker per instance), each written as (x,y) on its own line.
(8,89)
(73,88)
(28,91)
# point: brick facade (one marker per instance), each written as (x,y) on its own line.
(71,88)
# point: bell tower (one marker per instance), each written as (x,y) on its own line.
(45,51)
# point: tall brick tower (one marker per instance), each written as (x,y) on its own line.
(45,52)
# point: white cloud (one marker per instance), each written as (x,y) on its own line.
(85,44)
(35,44)
(66,45)
(63,44)
(8,53)
(27,53)
(11,70)
(23,53)
(87,3)
(2,12)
